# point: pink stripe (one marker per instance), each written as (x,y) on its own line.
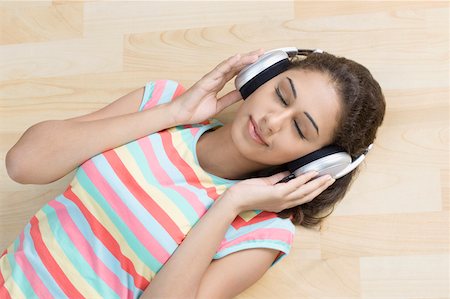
(158,89)
(52,266)
(104,236)
(127,216)
(85,249)
(35,281)
(4,293)
(276,234)
(164,179)
(21,237)
(184,167)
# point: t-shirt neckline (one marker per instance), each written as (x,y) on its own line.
(215,123)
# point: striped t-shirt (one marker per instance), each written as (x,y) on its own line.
(124,214)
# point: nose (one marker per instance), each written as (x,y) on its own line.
(274,122)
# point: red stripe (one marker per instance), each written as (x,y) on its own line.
(144,198)
(3,291)
(183,167)
(87,252)
(178,91)
(52,266)
(108,241)
(4,252)
(240,222)
(21,238)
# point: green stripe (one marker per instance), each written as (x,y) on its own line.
(183,205)
(20,279)
(75,257)
(120,226)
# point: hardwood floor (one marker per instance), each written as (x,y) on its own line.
(389,238)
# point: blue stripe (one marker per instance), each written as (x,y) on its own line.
(135,207)
(74,256)
(168,92)
(19,277)
(278,245)
(121,227)
(16,243)
(148,91)
(177,176)
(101,252)
(182,204)
(40,269)
(278,223)
(218,181)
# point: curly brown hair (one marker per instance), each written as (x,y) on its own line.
(363,108)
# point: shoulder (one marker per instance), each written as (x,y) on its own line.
(222,280)
(258,229)
(159,92)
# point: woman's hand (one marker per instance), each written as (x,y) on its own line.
(200,102)
(264,194)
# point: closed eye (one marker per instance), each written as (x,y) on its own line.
(280,97)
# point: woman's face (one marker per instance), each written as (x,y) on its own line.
(304,124)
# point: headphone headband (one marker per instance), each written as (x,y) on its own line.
(329,160)
(269,65)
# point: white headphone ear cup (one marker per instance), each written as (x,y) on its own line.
(327,160)
(265,68)
(331,164)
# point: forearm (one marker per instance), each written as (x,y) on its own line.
(51,149)
(181,276)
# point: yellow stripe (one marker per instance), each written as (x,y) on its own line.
(10,248)
(186,152)
(12,287)
(90,204)
(248,215)
(61,259)
(159,197)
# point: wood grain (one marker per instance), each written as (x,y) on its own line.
(389,238)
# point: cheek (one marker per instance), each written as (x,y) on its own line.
(287,149)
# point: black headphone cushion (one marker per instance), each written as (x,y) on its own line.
(272,71)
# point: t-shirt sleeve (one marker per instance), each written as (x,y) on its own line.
(159,92)
(256,229)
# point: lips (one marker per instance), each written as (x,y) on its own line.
(254,132)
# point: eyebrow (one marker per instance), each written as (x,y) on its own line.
(306,113)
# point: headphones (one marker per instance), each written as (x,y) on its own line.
(331,159)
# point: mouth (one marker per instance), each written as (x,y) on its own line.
(254,132)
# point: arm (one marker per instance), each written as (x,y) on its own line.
(180,277)
(189,272)
(49,150)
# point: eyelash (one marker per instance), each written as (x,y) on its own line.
(277,91)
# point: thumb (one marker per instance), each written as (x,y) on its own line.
(277,177)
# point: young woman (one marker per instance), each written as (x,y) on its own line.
(169,203)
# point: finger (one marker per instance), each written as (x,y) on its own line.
(226,66)
(299,181)
(239,65)
(309,197)
(228,100)
(310,187)
(273,179)
(213,80)
(258,52)
(245,59)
